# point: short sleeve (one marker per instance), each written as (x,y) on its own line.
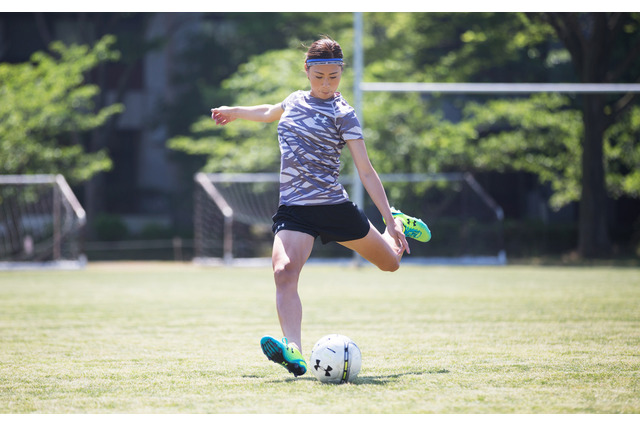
(350,128)
(288,101)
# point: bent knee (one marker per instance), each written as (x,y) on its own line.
(390,266)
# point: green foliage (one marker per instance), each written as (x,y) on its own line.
(541,135)
(46,107)
(622,151)
(409,133)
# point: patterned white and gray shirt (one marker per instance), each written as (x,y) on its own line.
(311,134)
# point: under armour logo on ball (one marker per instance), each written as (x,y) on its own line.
(327,371)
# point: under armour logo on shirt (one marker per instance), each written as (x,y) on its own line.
(320,118)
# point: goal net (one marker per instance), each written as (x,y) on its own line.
(40,223)
(232,222)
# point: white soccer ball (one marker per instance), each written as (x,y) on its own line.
(335,359)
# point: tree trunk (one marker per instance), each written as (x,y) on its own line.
(593,234)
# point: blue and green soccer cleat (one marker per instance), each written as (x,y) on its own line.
(284,354)
(413,227)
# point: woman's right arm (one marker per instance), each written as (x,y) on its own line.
(263,113)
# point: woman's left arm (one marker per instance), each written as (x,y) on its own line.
(373,185)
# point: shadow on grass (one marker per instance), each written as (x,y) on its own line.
(370,380)
(386,379)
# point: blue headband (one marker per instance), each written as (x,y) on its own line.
(330,61)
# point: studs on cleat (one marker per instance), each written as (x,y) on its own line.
(277,352)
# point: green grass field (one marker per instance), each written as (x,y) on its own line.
(177,338)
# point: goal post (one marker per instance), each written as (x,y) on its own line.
(41,222)
(232,218)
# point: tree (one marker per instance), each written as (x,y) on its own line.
(46,106)
(528,134)
(604,48)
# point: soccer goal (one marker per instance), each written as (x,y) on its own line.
(232,218)
(40,223)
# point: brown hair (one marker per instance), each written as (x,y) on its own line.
(325,48)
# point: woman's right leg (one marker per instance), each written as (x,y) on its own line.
(291,250)
(379,249)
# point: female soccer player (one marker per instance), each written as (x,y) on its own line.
(313,128)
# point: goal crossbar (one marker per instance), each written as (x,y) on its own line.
(59,180)
(492,88)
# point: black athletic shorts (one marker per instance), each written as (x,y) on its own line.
(338,222)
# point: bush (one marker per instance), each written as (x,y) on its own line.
(110,227)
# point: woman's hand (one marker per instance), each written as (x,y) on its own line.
(222,115)
(396,231)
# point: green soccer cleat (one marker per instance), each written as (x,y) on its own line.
(413,227)
(284,354)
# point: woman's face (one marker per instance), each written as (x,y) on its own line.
(324,80)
